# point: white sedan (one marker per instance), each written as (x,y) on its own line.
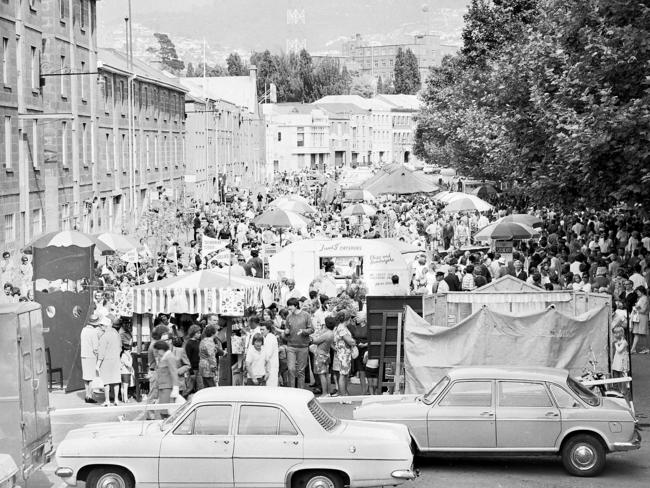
(239,437)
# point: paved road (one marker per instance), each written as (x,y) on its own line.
(629,470)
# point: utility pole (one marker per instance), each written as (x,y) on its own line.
(205,125)
(133,204)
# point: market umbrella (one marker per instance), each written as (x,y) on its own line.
(359,209)
(117,243)
(295,197)
(441,197)
(67,238)
(276,217)
(293,206)
(485,191)
(504,231)
(400,181)
(467,203)
(526,219)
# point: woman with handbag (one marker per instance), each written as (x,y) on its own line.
(639,319)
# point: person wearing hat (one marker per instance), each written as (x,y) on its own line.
(108,358)
(89,342)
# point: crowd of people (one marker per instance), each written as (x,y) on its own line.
(318,335)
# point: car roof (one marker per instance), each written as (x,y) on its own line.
(253,394)
(509,373)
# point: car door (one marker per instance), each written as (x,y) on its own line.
(464,417)
(197,453)
(527,418)
(267,445)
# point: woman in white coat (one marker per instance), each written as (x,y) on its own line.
(271,351)
(108,359)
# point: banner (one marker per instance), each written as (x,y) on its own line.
(487,338)
(231,302)
(215,250)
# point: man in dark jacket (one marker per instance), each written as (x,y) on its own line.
(452,280)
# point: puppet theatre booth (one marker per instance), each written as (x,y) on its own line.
(63,274)
(203,292)
(371,260)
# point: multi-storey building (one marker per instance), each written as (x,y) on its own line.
(48,57)
(405,108)
(349,134)
(380,124)
(379,60)
(297,137)
(136,162)
(226,132)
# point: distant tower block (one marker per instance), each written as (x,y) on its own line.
(296,24)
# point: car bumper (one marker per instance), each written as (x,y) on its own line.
(635,443)
(404,474)
(66,474)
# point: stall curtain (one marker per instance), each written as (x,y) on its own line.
(488,338)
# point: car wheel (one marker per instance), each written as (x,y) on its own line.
(318,479)
(583,455)
(109,478)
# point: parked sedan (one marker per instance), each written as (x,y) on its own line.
(239,437)
(488,410)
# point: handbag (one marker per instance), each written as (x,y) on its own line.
(634,316)
(355,352)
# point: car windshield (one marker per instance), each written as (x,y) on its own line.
(586,395)
(435,391)
(169,421)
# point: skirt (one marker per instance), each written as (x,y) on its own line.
(640,327)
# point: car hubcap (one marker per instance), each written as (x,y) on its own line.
(584,457)
(320,482)
(111,480)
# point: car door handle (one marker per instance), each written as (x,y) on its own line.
(487,414)
(552,414)
(295,443)
(226,441)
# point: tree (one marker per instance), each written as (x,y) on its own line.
(190,71)
(380,86)
(166,53)
(210,71)
(407,72)
(235,65)
(306,75)
(555,98)
(362,86)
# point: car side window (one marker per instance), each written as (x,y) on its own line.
(468,394)
(206,420)
(264,420)
(520,394)
(563,398)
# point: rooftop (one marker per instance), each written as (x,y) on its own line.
(112,58)
(508,373)
(253,394)
(364,103)
(341,108)
(240,90)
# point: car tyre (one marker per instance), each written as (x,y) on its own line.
(318,479)
(584,455)
(109,477)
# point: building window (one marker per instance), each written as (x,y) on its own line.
(125,152)
(64,143)
(84,144)
(65,216)
(37,222)
(165,156)
(7,142)
(107,152)
(34,67)
(62,9)
(63,77)
(83,14)
(5,60)
(82,82)
(10,228)
(301,136)
(279,136)
(176,158)
(156,161)
(147,152)
(35,147)
(135,153)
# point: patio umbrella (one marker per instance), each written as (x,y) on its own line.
(293,206)
(359,209)
(527,219)
(485,191)
(401,181)
(67,238)
(278,218)
(295,197)
(117,243)
(504,231)
(467,203)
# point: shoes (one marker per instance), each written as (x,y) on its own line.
(114,404)
(645,351)
(91,400)
(335,394)
(105,404)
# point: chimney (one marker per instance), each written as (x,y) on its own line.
(252,76)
